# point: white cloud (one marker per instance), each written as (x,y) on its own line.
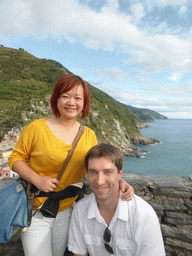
(175,77)
(107,29)
(174,102)
(78,71)
(183,91)
(164,105)
(162,3)
(131,96)
(178,115)
(138,12)
(124,96)
(183,9)
(141,79)
(115,74)
(187,60)
(15,18)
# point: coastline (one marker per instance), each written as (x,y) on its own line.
(172,156)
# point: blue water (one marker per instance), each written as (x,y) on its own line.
(173,156)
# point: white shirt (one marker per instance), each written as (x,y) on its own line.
(134,227)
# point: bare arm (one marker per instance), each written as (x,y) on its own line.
(43,183)
(128,191)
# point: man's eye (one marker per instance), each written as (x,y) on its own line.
(108,172)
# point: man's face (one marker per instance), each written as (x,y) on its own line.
(103,178)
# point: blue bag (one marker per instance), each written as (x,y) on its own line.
(13,210)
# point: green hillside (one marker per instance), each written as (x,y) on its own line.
(24,81)
(25,88)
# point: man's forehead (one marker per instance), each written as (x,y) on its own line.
(102,160)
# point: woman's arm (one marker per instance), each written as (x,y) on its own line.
(43,183)
(128,191)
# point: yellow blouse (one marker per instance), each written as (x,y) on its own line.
(45,154)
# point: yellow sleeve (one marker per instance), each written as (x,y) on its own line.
(23,148)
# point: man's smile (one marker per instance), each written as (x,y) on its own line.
(100,188)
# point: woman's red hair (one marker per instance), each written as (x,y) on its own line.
(65,84)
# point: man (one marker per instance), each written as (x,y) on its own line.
(103,224)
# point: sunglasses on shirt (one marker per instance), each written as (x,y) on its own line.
(107,238)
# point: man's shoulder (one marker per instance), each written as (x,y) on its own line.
(84,203)
(141,207)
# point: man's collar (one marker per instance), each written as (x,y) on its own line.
(93,210)
(121,211)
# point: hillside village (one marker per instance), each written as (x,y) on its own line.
(6,147)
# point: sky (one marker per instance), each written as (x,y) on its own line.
(138,52)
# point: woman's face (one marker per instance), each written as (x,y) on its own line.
(70,104)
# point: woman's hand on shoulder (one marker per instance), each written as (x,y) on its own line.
(128,191)
(46,183)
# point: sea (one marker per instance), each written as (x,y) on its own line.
(173,156)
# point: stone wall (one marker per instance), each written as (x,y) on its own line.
(171,198)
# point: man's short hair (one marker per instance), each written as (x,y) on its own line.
(108,151)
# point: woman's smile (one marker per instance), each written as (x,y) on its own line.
(70,104)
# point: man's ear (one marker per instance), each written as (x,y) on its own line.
(120,173)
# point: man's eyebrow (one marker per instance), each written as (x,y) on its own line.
(107,169)
(110,169)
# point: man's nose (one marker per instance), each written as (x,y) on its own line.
(100,179)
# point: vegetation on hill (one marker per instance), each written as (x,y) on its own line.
(145,114)
(27,83)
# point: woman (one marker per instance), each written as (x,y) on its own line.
(39,155)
